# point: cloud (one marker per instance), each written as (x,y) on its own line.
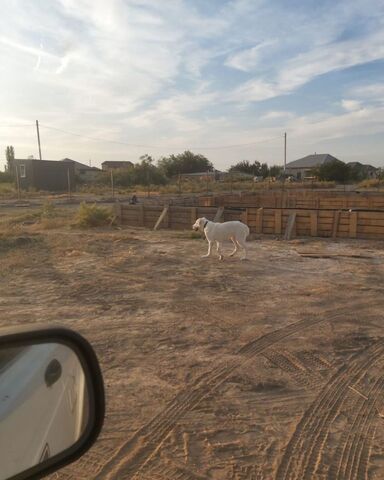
(277,115)
(351,105)
(247,60)
(328,58)
(365,121)
(186,73)
(372,92)
(304,67)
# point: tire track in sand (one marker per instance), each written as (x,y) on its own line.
(134,453)
(304,451)
(352,455)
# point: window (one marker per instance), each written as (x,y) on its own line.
(22,171)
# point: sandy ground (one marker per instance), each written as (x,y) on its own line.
(265,369)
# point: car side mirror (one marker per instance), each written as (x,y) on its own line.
(51,400)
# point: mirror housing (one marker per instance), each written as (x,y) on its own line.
(42,335)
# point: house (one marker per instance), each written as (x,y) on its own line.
(362,171)
(84,172)
(47,175)
(115,165)
(302,167)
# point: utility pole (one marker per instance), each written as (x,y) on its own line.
(285,165)
(17,182)
(112,184)
(69,184)
(38,137)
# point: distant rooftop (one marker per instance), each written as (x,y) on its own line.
(79,164)
(116,163)
(311,161)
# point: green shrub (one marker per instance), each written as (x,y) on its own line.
(6,177)
(93,216)
(7,189)
(48,210)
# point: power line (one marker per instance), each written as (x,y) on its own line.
(18,125)
(99,139)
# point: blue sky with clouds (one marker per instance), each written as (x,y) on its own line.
(225,79)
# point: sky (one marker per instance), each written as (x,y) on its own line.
(117,79)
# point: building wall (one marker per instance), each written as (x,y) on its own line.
(47,175)
(298,173)
(88,175)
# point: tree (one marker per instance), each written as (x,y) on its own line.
(142,173)
(264,170)
(275,171)
(186,162)
(336,170)
(9,155)
(246,167)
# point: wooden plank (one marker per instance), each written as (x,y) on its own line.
(313,222)
(290,226)
(193,215)
(244,216)
(259,220)
(278,218)
(335,225)
(161,217)
(371,215)
(365,221)
(142,216)
(218,214)
(353,224)
(370,229)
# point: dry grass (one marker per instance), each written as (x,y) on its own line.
(372,183)
(7,190)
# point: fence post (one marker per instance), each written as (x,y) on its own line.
(313,220)
(259,220)
(353,224)
(336,219)
(118,213)
(193,214)
(141,216)
(278,221)
(244,216)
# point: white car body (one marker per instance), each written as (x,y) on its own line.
(37,420)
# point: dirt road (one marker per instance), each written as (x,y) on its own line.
(271,368)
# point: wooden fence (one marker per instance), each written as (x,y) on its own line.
(177,217)
(316,199)
(304,222)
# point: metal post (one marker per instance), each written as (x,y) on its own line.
(148,184)
(69,184)
(285,165)
(17,182)
(112,185)
(38,137)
